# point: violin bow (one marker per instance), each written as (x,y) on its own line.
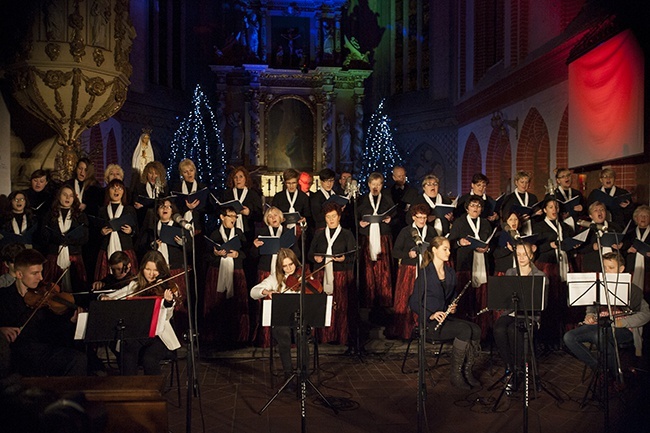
(157,283)
(44,298)
(327,262)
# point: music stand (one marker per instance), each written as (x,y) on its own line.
(134,319)
(588,289)
(283,310)
(522,294)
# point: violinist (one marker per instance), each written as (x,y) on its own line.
(337,276)
(286,266)
(150,350)
(42,345)
(225,310)
(120,267)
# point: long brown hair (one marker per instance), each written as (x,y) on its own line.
(284,253)
(436,242)
(163,271)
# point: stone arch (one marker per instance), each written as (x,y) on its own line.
(562,149)
(472,163)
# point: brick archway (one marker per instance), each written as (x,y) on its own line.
(472,163)
(498,163)
(562,150)
(533,151)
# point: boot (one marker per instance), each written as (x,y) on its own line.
(473,348)
(457,359)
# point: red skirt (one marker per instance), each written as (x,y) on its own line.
(403,318)
(101,267)
(51,272)
(225,320)
(337,332)
(379,290)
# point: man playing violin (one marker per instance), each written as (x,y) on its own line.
(40,345)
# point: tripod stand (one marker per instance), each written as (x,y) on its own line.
(304,310)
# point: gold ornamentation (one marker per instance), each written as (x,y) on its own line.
(53,50)
(98,56)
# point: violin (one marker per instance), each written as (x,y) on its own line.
(312,285)
(49,295)
(157,288)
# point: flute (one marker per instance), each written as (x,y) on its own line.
(454,302)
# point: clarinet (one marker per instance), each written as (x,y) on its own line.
(455,301)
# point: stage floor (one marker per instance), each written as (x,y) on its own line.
(373,395)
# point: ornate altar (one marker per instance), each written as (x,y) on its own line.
(296,100)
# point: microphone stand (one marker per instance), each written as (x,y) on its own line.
(192,382)
(353,194)
(423,423)
(603,345)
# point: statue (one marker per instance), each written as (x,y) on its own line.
(252,33)
(328,40)
(142,155)
(237,136)
(100,13)
(355,52)
(345,138)
(291,36)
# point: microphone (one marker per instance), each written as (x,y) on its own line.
(158,186)
(514,234)
(354,188)
(590,224)
(550,188)
(178,219)
(415,234)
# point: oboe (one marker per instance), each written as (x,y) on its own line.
(454,302)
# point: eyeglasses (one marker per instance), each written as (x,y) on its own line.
(165,206)
(475,205)
(19,199)
(431,184)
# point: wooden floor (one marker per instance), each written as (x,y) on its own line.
(371,394)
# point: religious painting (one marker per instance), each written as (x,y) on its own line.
(290,136)
(290,42)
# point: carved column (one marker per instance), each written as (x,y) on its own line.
(337,36)
(357,136)
(328,143)
(262,20)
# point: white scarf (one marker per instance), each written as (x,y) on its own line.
(568,195)
(226,268)
(162,248)
(328,281)
(63,258)
(479,273)
(188,214)
(527,226)
(292,204)
(274,257)
(114,243)
(375,234)
(639,260)
(562,258)
(240,218)
(326,194)
(79,192)
(151,190)
(23,225)
(437,224)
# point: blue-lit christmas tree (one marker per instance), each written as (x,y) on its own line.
(380,153)
(198,138)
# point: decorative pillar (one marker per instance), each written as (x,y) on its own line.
(329,149)
(337,36)
(263,42)
(357,136)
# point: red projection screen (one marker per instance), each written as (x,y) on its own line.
(606,102)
